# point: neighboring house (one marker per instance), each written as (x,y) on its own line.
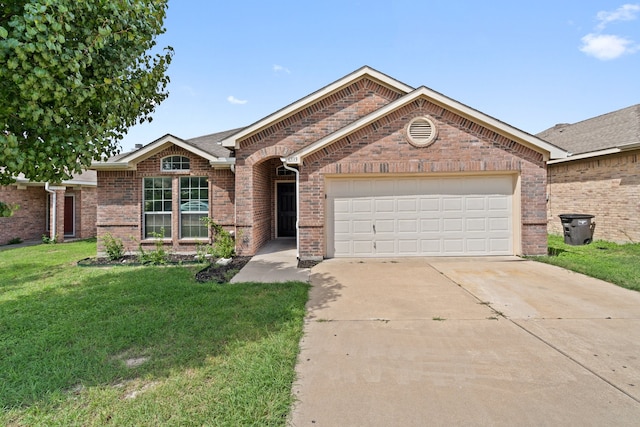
(74,215)
(601,177)
(366,166)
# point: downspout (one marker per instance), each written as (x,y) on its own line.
(294,170)
(52,225)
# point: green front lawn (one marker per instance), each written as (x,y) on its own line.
(141,345)
(619,264)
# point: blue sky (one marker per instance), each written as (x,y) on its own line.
(529,64)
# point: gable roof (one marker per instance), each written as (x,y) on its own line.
(207,146)
(611,132)
(383,79)
(548,150)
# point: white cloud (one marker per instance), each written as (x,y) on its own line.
(606,46)
(280,68)
(626,12)
(610,46)
(233,100)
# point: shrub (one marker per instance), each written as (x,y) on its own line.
(159,256)
(15,241)
(113,246)
(223,244)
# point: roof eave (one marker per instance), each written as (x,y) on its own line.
(112,166)
(223,163)
(586,155)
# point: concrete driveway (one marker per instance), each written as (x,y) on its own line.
(452,341)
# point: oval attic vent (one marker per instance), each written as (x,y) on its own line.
(421,132)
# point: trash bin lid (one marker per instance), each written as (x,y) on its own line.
(576,216)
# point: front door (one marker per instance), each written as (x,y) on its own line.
(69,216)
(286,195)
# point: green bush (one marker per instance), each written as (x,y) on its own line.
(223,244)
(158,256)
(113,246)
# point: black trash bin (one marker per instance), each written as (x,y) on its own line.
(578,229)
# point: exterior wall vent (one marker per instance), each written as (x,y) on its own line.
(421,131)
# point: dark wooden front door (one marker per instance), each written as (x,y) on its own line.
(286,209)
(69,215)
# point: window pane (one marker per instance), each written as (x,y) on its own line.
(157,205)
(191,226)
(175,163)
(194,204)
(157,225)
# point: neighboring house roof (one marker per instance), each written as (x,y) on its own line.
(207,146)
(606,134)
(88,178)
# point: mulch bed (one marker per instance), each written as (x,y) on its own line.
(212,273)
(222,273)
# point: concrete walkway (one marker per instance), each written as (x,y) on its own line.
(474,342)
(275,262)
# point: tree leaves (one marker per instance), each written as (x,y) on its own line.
(74,76)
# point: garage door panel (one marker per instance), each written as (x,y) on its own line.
(451,224)
(385,226)
(407,225)
(429,225)
(476,246)
(429,204)
(453,246)
(420,216)
(385,247)
(362,206)
(499,224)
(362,226)
(476,224)
(408,247)
(452,204)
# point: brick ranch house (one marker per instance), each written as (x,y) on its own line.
(601,177)
(366,166)
(74,215)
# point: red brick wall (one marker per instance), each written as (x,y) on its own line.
(29,222)
(120,200)
(607,187)
(382,148)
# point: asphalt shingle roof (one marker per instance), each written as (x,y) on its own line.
(210,143)
(609,130)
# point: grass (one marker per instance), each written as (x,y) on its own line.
(141,345)
(618,264)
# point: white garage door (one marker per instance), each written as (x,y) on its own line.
(386,217)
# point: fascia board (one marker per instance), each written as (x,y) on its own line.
(231,142)
(586,155)
(112,166)
(223,162)
(159,145)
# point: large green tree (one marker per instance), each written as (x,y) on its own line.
(74,76)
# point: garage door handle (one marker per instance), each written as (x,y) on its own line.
(374,229)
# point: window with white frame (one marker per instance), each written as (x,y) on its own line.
(157,207)
(194,205)
(175,163)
